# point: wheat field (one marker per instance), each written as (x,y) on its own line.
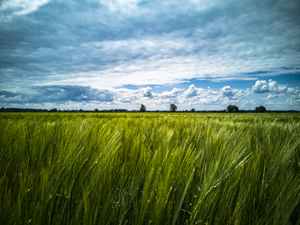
(149,168)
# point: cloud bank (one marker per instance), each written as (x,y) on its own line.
(72,97)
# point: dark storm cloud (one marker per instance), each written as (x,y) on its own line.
(57,94)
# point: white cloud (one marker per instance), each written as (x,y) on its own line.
(226,91)
(191,92)
(9,8)
(146,92)
(262,86)
(271,96)
(239,94)
(274,87)
(194,92)
(193,97)
(295,90)
(170,94)
(293,102)
(211,100)
(269,103)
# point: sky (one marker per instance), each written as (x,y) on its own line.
(119,54)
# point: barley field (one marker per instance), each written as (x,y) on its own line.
(149,168)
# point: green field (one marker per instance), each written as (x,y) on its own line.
(149,168)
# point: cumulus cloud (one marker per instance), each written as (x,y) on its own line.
(192,91)
(295,90)
(146,92)
(170,94)
(274,87)
(262,86)
(277,91)
(200,96)
(226,91)
(126,96)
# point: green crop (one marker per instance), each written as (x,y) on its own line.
(149,168)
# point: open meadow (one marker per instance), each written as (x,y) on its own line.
(149,168)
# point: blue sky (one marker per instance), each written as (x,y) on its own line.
(202,54)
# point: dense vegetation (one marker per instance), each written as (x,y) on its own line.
(260,109)
(149,168)
(232,108)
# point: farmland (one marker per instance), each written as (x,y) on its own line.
(149,168)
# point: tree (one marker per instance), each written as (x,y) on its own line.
(173,107)
(143,108)
(260,109)
(232,108)
(192,110)
(96,110)
(80,110)
(53,110)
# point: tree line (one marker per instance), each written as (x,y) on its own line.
(173,108)
(230,109)
(235,109)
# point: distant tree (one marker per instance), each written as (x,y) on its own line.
(192,110)
(96,110)
(53,110)
(260,109)
(157,111)
(143,108)
(232,108)
(173,107)
(3,109)
(80,110)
